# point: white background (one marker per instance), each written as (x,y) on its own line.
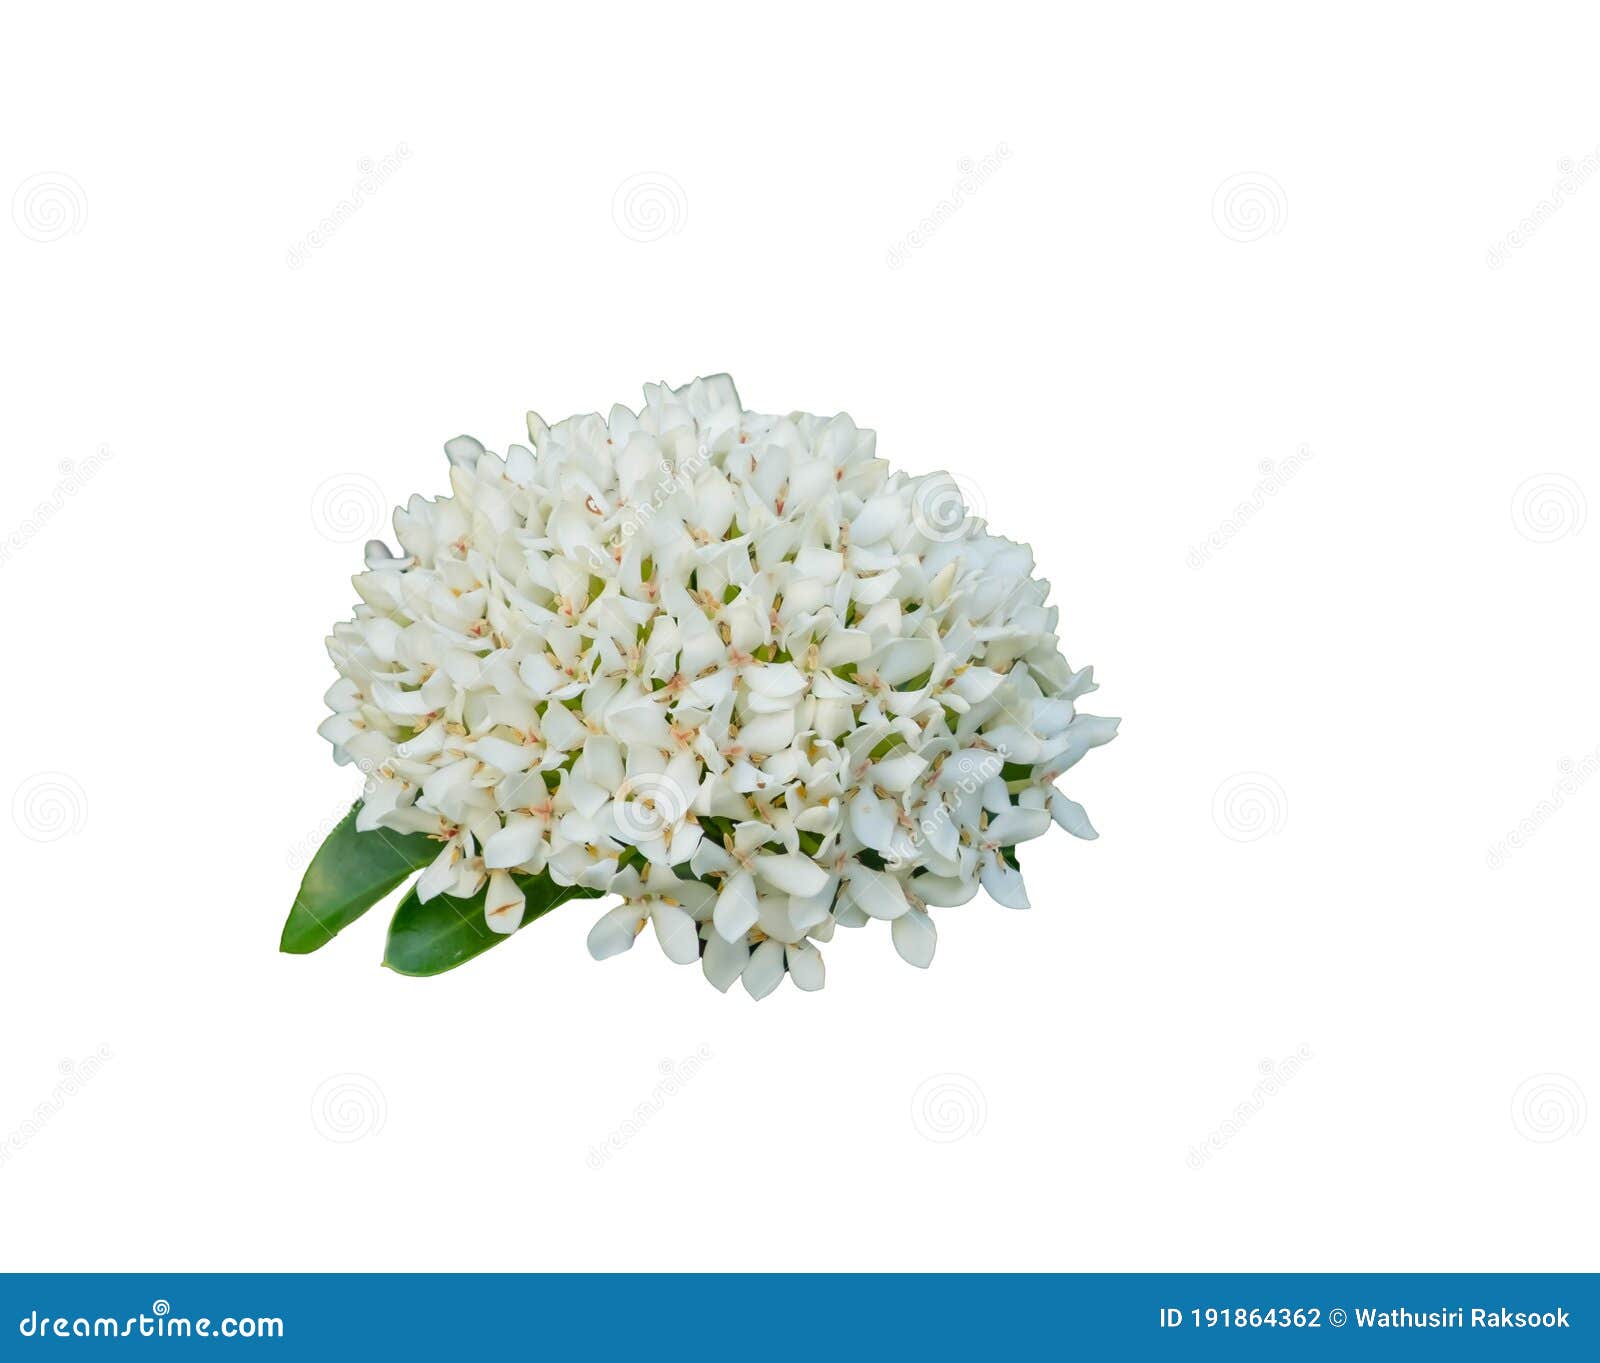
(1330,723)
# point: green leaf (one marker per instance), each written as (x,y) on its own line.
(350,873)
(428,939)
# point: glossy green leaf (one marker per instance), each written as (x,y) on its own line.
(428,939)
(350,873)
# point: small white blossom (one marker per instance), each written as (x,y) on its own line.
(717,663)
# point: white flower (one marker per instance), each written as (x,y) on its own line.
(720,664)
(666,902)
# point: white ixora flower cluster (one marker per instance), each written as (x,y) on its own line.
(728,666)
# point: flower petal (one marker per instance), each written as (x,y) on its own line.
(1017,825)
(764,972)
(876,893)
(792,873)
(915,937)
(1071,816)
(513,844)
(736,910)
(1003,883)
(503,905)
(872,820)
(944,891)
(805,966)
(723,961)
(615,931)
(677,933)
